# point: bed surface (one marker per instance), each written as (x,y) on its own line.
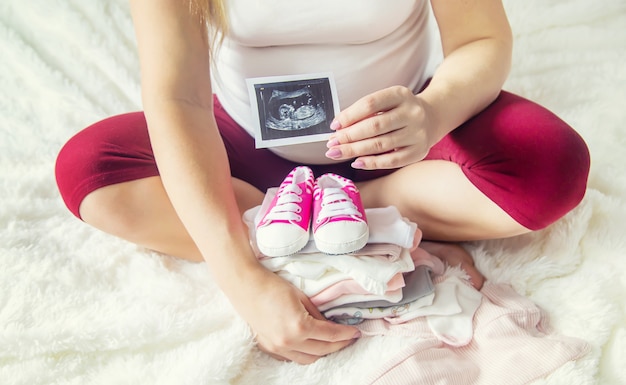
(80,307)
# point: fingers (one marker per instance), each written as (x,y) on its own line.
(332,342)
(376,134)
(370,105)
(373,115)
(390,160)
(319,338)
(321,329)
(310,307)
(308,358)
(384,130)
(358,141)
(332,332)
(394,145)
(295,356)
(370,126)
(308,335)
(323,348)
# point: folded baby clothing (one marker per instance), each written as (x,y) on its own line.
(350,286)
(419,292)
(376,268)
(393,287)
(372,272)
(389,278)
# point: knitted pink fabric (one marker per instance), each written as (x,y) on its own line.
(512,345)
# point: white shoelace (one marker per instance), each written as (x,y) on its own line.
(287,208)
(337,203)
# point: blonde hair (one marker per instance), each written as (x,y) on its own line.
(212,14)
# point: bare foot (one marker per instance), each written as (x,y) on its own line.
(453,254)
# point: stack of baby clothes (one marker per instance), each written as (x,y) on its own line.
(366,266)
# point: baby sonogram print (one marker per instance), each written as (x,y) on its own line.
(295,110)
(292,109)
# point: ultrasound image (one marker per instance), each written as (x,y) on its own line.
(294,110)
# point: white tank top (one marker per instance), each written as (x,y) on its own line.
(367,45)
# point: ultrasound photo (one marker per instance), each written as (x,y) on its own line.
(292,109)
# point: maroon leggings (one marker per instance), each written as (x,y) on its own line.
(520,155)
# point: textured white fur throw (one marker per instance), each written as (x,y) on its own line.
(81,307)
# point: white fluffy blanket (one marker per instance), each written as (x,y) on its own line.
(80,307)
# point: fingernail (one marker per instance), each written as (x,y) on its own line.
(357,334)
(358,164)
(335,125)
(332,142)
(333,153)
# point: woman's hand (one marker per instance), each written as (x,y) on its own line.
(287,325)
(387,129)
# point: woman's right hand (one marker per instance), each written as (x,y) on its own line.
(287,325)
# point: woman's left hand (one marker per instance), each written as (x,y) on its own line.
(390,128)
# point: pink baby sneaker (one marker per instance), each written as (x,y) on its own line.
(284,228)
(339,222)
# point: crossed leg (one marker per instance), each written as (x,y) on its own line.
(140,211)
(536,166)
(447,208)
(434,194)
